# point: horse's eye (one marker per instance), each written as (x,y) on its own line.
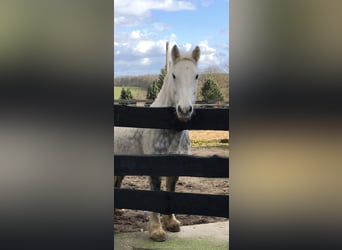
(196,76)
(173,75)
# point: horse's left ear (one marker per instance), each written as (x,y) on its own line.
(196,54)
(175,53)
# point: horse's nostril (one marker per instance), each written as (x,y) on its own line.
(185,110)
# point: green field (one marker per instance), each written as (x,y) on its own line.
(137,92)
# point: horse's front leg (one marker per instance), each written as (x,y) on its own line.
(169,220)
(155,228)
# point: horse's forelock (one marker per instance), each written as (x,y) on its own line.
(184,58)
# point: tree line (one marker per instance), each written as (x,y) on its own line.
(209,88)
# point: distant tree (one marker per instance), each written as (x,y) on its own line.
(125,94)
(152,90)
(161,78)
(155,87)
(129,95)
(210,91)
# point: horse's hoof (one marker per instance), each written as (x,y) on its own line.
(119,211)
(172,225)
(156,232)
(158,235)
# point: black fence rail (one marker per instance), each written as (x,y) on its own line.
(171,165)
(170,202)
(143,117)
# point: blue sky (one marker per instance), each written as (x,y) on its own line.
(141,28)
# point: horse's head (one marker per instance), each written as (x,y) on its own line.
(184,78)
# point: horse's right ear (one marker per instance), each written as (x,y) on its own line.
(175,53)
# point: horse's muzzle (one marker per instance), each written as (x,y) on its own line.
(184,113)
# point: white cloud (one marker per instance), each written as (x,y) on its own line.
(145,61)
(172,37)
(140,51)
(187,46)
(212,55)
(204,46)
(160,26)
(136,34)
(129,37)
(133,12)
(206,3)
(147,56)
(144,46)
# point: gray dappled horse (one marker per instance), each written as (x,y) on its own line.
(178,91)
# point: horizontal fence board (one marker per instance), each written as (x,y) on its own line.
(170,202)
(171,165)
(165,118)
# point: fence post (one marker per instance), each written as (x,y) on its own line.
(167,57)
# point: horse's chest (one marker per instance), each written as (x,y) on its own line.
(166,141)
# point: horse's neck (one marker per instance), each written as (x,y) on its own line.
(164,98)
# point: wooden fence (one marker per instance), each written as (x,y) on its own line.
(171,165)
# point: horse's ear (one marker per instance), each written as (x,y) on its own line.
(175,53)
(196,54)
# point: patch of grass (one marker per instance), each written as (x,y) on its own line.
(210,143)
(137,92)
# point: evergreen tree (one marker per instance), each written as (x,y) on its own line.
(210,91)
(155,87)
(129,95)
(152,91)
(125,94)
(161,78)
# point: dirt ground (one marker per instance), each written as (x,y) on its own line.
(208,135)
(133,220)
